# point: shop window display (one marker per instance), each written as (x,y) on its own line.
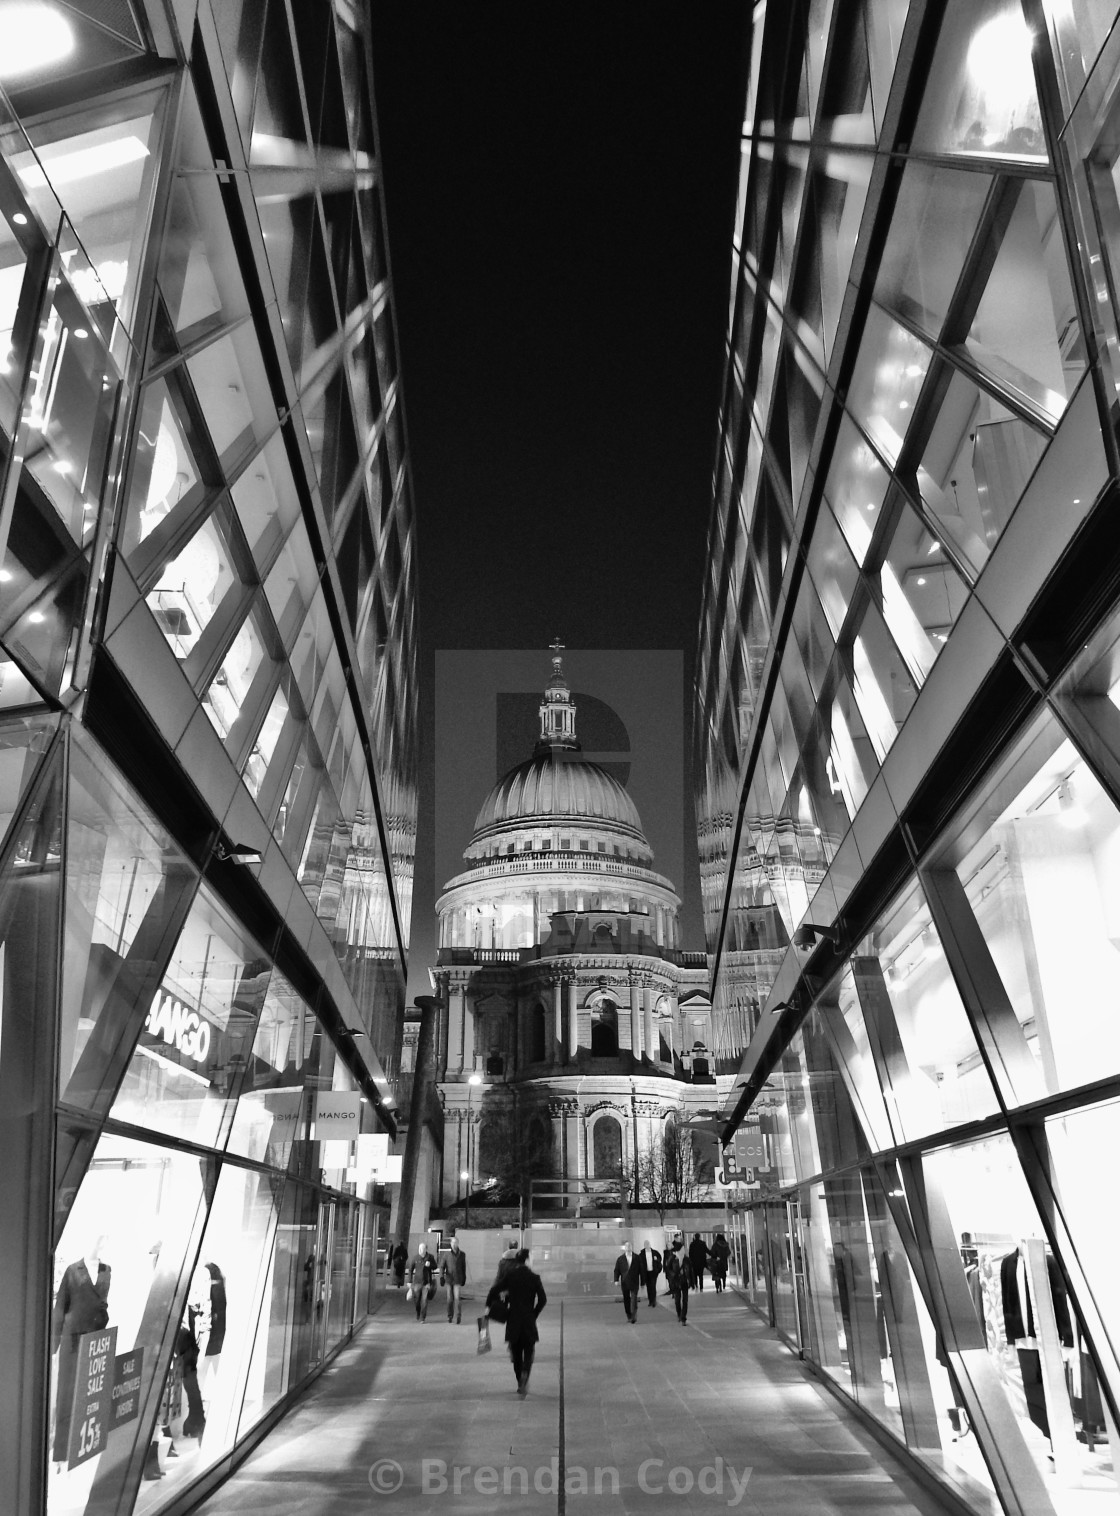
(121,1271)
(1031,1326)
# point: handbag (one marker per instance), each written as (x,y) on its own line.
(408,1293)
(484,1343)
(499,1311)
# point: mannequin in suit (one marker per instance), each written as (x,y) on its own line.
(81,1305)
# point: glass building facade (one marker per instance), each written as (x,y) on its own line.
(207,730)
(908,729)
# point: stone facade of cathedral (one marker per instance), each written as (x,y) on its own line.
(562,986)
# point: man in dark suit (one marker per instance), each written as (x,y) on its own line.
(698,1257)
(649,1269)
(628,1271)
(525,1299)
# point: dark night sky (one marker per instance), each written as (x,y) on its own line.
(560,187)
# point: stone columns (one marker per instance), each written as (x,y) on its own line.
(573,1020)
(635,1019)
(558,1020)
(652,1048)
(468,1032)
(456,1007)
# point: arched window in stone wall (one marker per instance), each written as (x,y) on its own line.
(606,1148)
(604,1029)
(537,1034)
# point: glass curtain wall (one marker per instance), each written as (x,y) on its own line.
(207,726)
(908,746)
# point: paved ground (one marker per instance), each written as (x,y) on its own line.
(652,1418)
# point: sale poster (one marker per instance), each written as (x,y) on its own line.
(89,1424)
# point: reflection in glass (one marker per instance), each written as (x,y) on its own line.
(227,695)
(888,375)
(935,218)
(980,96)
(192,586)
(194,1045)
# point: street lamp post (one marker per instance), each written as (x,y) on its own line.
(466,1174)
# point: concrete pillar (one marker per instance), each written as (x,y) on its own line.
(456,996)
(558,1020)
(573,1020)
(635,1020)
(647,1018)
(421,1080)
(468,1033)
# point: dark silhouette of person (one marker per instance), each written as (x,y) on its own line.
(698,1257)
(524,1297)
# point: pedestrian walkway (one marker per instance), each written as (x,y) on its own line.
(652,1418)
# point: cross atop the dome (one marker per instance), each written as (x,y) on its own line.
(558,714)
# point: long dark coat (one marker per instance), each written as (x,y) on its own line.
(525,1293)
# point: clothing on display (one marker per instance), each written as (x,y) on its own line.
(81,1305)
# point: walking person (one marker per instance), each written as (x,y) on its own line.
(650,1269)
(628,1272)
(678,1272)
(399,1259)
(524,1296)
(718,1259)
(421,1280)
(453,1273)
(698,1257)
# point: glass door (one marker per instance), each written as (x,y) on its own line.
(321,1280)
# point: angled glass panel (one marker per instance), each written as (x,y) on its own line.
(935,218)
(128,890)
(855,488)
(233,390)
(286,219)
(194,1045)
(266,500)
(929,1061)
(193,584)
(840,190)
(922,594)
(1042,358)
(884,687)
(229,700)
(278,113)
(852,759)
(845,113)
(842,1021)
(833,569)
(166,471)
(292,584)
(199,276)
(980,98)
(16,240)
(273,1112)
(102,171)
(975,465)
(888,376)
(23,740)
(1044,884)
(260,756)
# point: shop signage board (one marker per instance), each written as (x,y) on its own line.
(128,1371)
(93,1385)
(749,1151)
(338,1115)
(284,1107)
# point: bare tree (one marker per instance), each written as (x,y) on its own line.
(667,1171)
(515,1148)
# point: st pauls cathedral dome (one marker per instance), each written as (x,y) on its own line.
(556,836)
(557,787)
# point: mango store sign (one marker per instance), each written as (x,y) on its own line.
(179,1027)
(338,1115)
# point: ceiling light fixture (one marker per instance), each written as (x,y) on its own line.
(84,163)
(35,37)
